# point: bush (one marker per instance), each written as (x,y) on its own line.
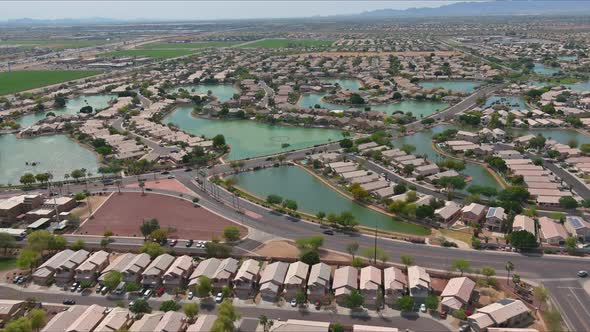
(169,306)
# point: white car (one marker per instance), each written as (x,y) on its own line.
(219,298)
(293,303)
(423,307)
(190,295)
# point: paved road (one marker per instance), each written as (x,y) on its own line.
(413,322)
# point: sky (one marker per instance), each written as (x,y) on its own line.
(197,9)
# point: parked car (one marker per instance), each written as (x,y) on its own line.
(165,173)
(582,274)
(219,297)
(328,232)
(74,286)
(191,295)
(318,305)
(104,290)
(293,302)
(189,243)
(69,302)
(173,242)
(443,314)
(98,288)
(147,293)
(423,307)
(160,291)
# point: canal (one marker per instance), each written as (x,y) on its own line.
(223,92)
(312,196)
(451,85)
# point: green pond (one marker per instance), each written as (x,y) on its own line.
(223,92)
(73,106)
(544,70)
(512,102)
(567,57)
(561,136)
(251,139)
(451,85)
(423,142)
(581,86)
(345,84)
(56,154)
(312,196)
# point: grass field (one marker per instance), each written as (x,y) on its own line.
(171,46)
(56,44)
(288,43)
(155,54)
(17,81)
(7,263)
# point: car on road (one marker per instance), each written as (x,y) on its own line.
(165,173)
(69,302)
(328,232)
(423,307)
(582,274)
(171,177)
(188,169)
(293,302)
(149,189)
(189,243)
(219,297)
(173,242)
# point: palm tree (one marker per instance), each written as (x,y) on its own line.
(509,268)
(142,185)
(66,177)
(118,183)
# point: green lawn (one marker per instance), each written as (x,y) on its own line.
(156,54)
(288,43)
(56,44)
(7,263)
(30,79)
(170,46)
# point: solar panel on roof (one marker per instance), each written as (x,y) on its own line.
(576,222)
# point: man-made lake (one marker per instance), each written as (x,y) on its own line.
(580,86)
(223,92)
(250,139)
(451,85)
(312,196)
(345,84)
(56,154)
(567,57)
(73,106)
(423,143)
(512,102)
(544,70)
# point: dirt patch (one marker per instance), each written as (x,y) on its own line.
(124,213)
(165,184)
(288,249)
(81,211)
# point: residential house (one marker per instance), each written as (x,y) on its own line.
(293,325)
(418,283)
(152,276)
(318,284)
(88,319)
(395,284)
(495,218)
(225,273)
(10,309)
(148,322)
(371,328)
(119,263)
(63,319)
(345,281)
(370,285)
(504,313)
(90,269)
(578,227)
(271,280)
(133,270)
(202,324)
(178,272)
(206,268)
(457,293)
(523,223)
(295,279)
(473,213)
(118,319)
(246,278)
(62,263)
(171,321)
(552,232)
(448,213)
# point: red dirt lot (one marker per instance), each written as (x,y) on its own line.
(124,213)
(165,184)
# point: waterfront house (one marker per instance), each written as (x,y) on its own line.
(426,170)
(225,273)
(295,279)
(552,232)
(178,272)
(90,269)
(271,280)
(394,283)
(152,276)
(578,227)
(505,313)
(318,284)
(495,218)
(370,285)
(473,213)
(206,268)
(418,283)
(457,293)
(246,278)
(345,281)
(448,213)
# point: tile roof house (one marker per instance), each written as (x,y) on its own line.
(457,293)
(295,279)
(90,269)
(495,218)
(178,272)
(504,313)
(152,275)
(523,223)
(87,320)
(206,268)
(271,280)
(63,264)
(62,320)
(132,271)
(370,285)
(345,281)
(246,278)
(394,283)
(448,213)
(552,231)
(172,321)
(148,322)
(116,320)
(318,283)
(473,213)
(225,272)
(296,325)
(418,282)
(577,227)
(202,324)
(10,309)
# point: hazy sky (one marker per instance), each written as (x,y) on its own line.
(198,10)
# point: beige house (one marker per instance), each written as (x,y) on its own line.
(578,227)
(246,278)
(457,293)
(148,322)
(271,280)
(132,271)
(206,268)
(296,325)
(552,232)
(495,218)
(117,320)
(371,328)
(90,269)
(418,283)
(88,320)
(225,272)
(473,213)
(370,285)
(61,266)
(346,279)
(318,283)
(62,320)
(296,279)
(10,309)
(523,223)
(395,284)
(178,272)
(172,321)
(203,323)
(504,313)
(152,276)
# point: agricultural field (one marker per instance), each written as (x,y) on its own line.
(149,53)
(16,81)
(288,43)
(55,44)
(197,45)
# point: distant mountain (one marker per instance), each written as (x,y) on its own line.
(487,8)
